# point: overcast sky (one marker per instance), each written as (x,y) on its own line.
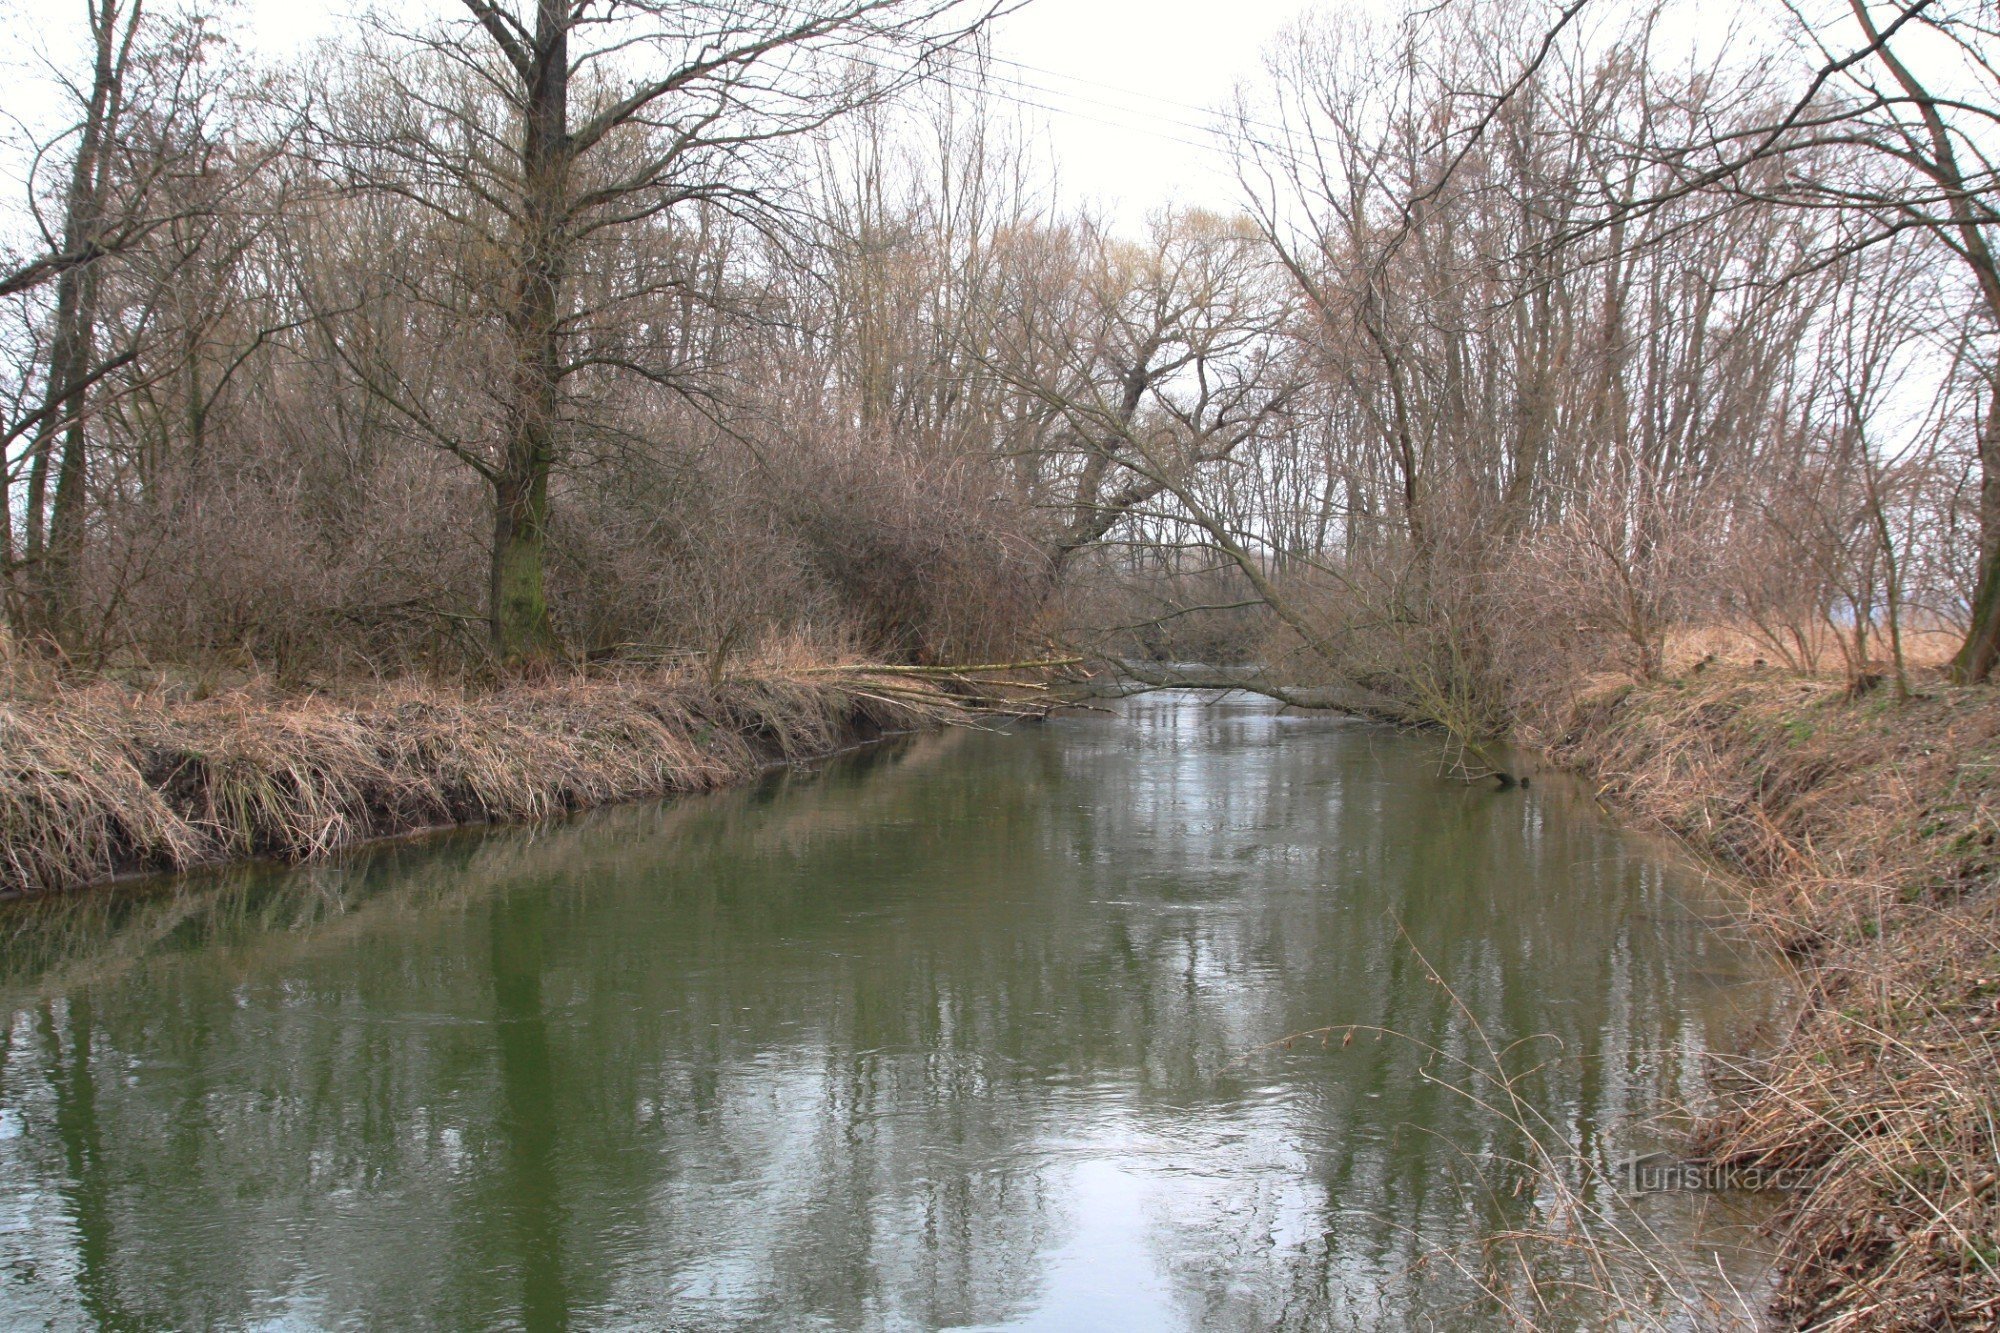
(1129,83)
(1123,90)
(1122,87)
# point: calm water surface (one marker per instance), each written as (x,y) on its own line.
(970,1030)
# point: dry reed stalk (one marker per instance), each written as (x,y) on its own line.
(100,782)
(1866,832)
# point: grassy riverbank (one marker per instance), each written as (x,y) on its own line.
(104,780)
(1867,831)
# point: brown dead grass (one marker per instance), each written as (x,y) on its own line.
(1924,647)
(1866,831)
(101,781)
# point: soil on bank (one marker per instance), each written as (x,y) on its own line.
(1867,830)
(102,781)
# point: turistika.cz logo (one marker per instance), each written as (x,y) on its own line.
(1658,1173)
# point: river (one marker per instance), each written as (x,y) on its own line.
(973,1029)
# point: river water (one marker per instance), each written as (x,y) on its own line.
(973,1029)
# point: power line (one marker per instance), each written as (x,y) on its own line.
(1019,82)
(1011,88)
(946,79)
(1189,107)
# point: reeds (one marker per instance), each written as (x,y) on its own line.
(99,781)
(1866,830)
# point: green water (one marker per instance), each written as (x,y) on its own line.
(969,1030)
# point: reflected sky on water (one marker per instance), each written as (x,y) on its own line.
(970,1030)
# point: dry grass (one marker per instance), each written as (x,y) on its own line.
(1924,646)
(101,781)
(1866,830)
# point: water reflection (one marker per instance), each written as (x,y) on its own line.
(968,1031)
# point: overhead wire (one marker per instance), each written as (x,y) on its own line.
(1011,90)
(1101,86)
(1014,89)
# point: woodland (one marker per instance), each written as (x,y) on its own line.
(1543,342)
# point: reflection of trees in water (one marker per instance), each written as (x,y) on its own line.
(837,1046)
(83,1186)
(51,945)
(531,1199)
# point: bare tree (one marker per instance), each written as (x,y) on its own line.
(614,118)
(1889,135)
(143,161)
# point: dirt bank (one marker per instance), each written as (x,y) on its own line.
(1864,830)
(103,781)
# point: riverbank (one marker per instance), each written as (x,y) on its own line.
(104,781)
(1864,829)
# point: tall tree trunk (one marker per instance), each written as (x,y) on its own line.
(68,518)
(1966,234)
(55,541)
(519,610)
(1980,652)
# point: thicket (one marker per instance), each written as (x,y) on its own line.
(1530,350)
(515,338)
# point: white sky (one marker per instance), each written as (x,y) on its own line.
(1122,87)
(1129,84)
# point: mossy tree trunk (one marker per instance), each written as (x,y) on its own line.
(517,606)
(1980,652)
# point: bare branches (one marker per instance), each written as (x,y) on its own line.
(507,33)
(28,276)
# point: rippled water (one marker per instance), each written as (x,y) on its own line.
(970,1030)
